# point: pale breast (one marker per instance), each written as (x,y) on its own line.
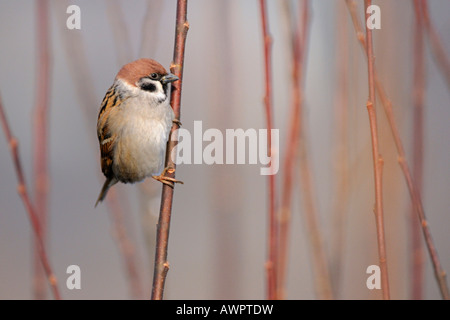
(144,130)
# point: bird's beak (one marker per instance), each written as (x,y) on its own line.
(169,78)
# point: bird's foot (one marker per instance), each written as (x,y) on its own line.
(177,122)
(165,179)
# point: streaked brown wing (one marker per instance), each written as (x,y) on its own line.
(106,152)
(109,101)
(105,137)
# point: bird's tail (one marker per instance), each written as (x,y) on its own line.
(108,184)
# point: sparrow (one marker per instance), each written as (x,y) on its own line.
(134,124)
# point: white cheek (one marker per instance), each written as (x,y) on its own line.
(130,91)
(159,93)
(153,97)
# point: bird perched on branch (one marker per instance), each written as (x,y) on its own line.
(134,124)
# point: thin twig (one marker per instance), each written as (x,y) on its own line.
(32,215)
(414,193)
(40,170)
(416,255)
(416,200)
(271,263)
(377,161)
(437,47)
(162,232)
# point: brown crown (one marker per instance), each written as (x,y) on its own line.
(135,70)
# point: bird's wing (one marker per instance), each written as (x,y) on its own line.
(106,138)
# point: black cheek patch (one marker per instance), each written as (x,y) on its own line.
(148,87)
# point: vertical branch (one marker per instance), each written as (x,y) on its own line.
(416,260)
(162,232)
(271,264)
(40,170)
(415,196)
(377,160)
(32,215)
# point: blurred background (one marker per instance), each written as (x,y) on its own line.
(218,235)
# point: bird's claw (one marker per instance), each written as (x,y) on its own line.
(165,179)
(177,122)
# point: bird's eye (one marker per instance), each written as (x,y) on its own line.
(154,76)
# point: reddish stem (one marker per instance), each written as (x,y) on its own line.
(271,263)
(377,161)
(162,232)
(416,200)
(32,215)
